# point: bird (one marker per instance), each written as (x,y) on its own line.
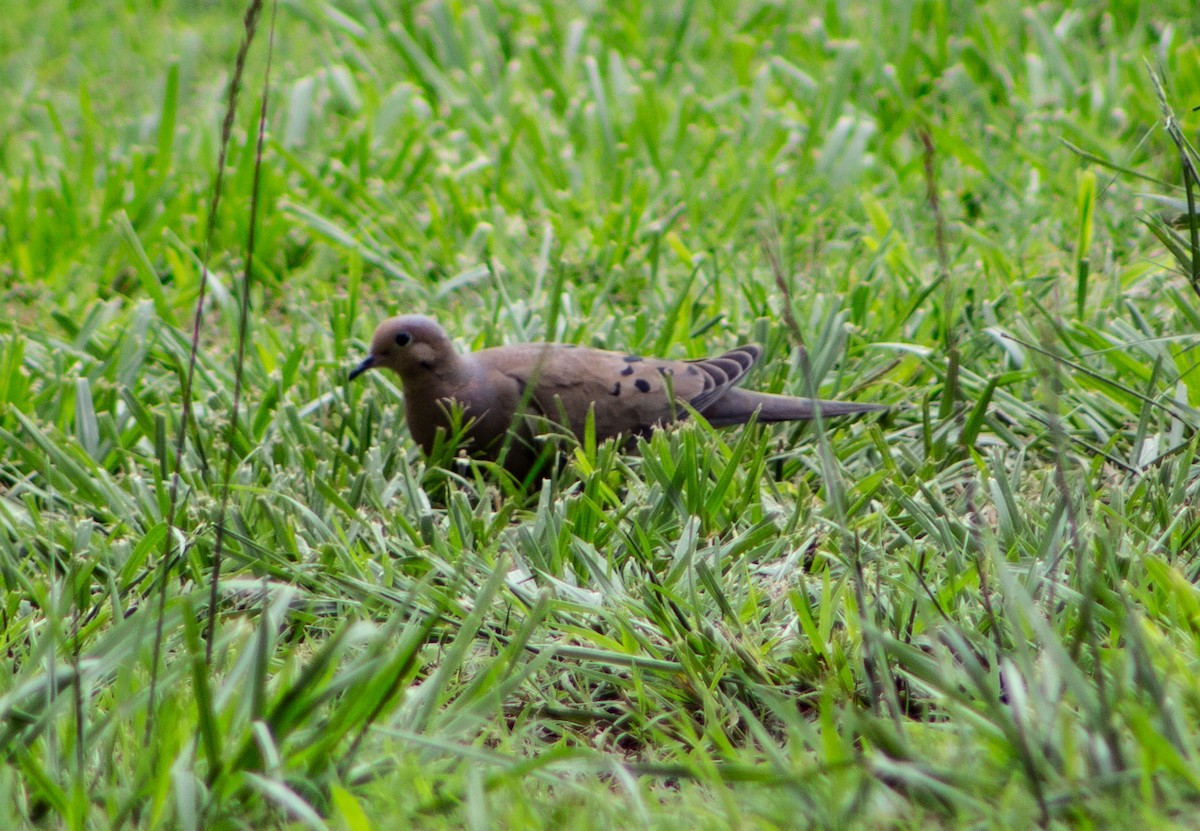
(626,394)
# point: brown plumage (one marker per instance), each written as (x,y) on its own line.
(629,394)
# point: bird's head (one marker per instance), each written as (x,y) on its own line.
(409,345)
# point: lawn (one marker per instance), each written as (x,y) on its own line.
(236,595)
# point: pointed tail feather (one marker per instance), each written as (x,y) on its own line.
(737,406)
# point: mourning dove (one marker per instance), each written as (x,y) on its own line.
(628,395)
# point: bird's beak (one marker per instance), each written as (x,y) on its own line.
(367,363)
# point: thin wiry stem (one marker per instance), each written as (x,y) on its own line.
(243,319)
(250,25)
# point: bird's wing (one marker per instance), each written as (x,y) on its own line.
(629,394)
(720,374)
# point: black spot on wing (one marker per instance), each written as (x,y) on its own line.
(616,390)
(633,359)
(642,384)
(627,371)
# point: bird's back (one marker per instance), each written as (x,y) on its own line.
(628,394)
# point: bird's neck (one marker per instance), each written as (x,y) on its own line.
(439,380)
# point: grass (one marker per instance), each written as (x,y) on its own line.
(978,611)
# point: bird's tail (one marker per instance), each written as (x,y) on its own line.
(737,406)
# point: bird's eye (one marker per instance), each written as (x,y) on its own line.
(403,339)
